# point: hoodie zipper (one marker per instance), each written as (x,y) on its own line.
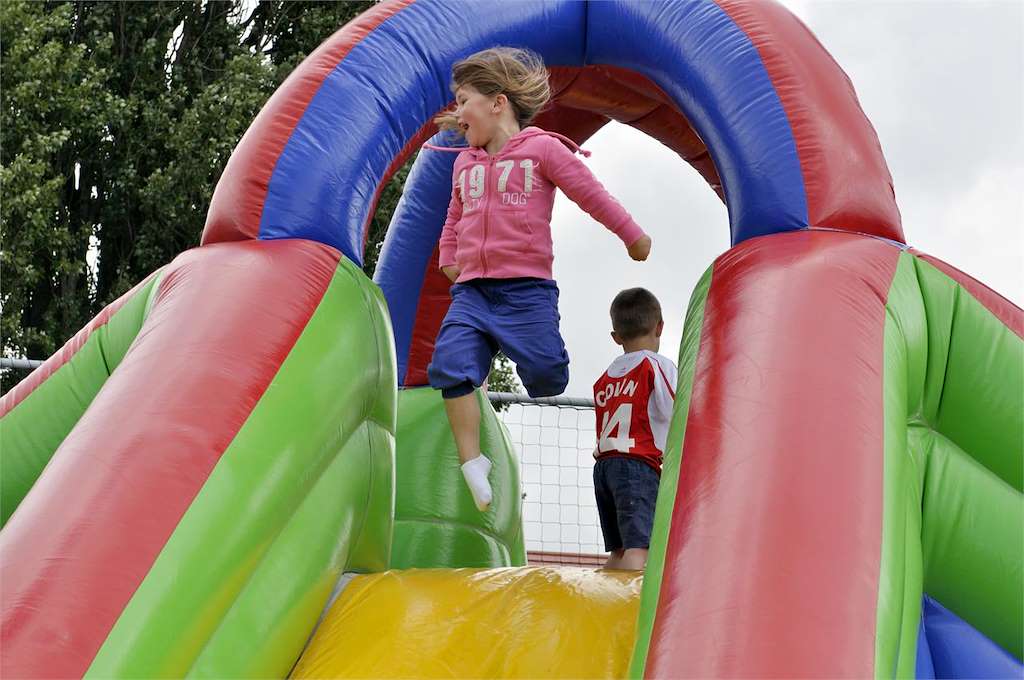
(487,214)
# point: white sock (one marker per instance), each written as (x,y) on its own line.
(475,472)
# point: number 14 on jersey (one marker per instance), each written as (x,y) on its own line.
(615,430)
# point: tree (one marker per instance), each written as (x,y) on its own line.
(55,108)
(502,378)
(117,121)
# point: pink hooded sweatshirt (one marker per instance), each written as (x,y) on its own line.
(499,218)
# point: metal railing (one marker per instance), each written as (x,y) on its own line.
(20,364)
(516,398)
(554,438)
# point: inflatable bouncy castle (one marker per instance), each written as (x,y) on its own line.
(236,469)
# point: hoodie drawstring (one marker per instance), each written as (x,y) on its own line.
(530,132)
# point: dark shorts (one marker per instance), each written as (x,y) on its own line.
(519,317)
(626,490)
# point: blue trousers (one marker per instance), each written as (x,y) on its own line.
(519,317)
(626,491)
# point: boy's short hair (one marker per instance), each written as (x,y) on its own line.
(635,312)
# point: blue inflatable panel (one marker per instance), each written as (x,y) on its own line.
(412,237)
(324,181)
(707,64)
(925,670)
(958,650)
(378,97)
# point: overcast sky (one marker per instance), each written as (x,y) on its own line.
(943,84)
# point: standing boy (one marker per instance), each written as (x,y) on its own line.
(633,405)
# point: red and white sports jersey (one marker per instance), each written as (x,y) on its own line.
(633,406)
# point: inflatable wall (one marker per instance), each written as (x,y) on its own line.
(187,480)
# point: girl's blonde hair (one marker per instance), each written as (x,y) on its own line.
(519,74)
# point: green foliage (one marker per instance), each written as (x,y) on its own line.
(117,121)
(502,378)
(55,105)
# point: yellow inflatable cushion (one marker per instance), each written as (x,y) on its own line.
(523,622)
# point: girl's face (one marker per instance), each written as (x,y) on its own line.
(478,115)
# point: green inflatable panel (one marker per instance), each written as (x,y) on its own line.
(304,492)
(436,522)
(33,430)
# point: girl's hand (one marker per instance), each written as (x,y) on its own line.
(452,272)
(640,248)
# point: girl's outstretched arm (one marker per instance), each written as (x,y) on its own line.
(574,178)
